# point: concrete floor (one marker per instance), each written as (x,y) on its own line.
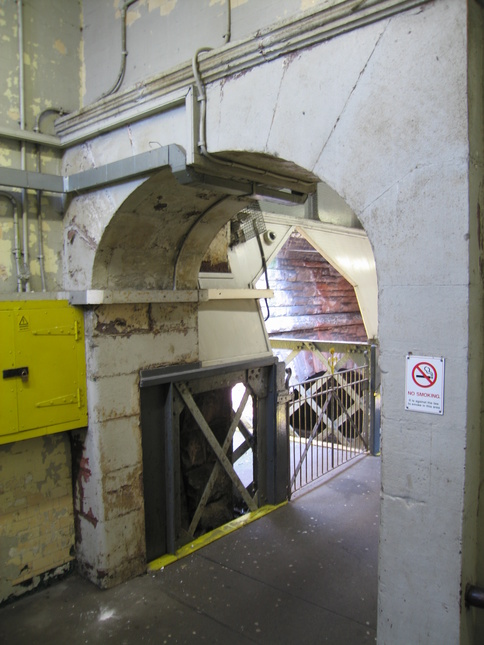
(305,573)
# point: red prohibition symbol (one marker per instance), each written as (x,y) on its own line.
(424,374)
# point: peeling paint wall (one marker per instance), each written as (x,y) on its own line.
(108,471)
(36,514)
(36,510)
(51,64)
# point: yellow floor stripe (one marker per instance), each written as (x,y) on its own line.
(210,537)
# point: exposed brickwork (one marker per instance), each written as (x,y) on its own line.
(36,516)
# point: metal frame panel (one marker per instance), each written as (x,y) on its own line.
(178,386)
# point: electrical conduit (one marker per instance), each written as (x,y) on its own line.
(40,238)
(124,51)
(25,272)
(16,249)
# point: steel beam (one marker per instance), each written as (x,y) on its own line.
(213,476)
(194,371)
(214,444)
(170,473)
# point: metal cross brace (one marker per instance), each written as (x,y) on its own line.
(220,452)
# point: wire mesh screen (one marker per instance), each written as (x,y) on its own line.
(246,225)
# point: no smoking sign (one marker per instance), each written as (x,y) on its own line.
(424,384)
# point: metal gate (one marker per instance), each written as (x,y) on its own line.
(193,477)
(331,417)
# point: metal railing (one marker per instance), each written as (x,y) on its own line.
(331,418)
(328,424)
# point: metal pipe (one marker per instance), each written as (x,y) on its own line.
(40,237)
(202,130)
(124,51)
(474,596)
(40,240)
(31,137)
(51,110)
(25,274)
(228,35)
(16,250)
(202,99)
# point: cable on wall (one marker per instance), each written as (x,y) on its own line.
(16,249)
(40,238)
(199,218)
(24,271)
(228,34)
(124,51)
(264,264)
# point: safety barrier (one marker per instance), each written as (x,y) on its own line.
(331,417)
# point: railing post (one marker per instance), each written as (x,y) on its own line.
(374,443)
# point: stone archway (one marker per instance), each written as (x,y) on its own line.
(143,267)
(157,238)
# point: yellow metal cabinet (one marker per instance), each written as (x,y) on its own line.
(43,369)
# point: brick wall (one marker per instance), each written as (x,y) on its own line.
(311,299)
(36,516)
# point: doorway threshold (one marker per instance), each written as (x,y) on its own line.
(206,539)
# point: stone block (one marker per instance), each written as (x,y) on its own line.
(112,397)
(123,493)
(113,550)
(119,443)
(171,342)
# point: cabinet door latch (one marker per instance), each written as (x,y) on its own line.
(23,372)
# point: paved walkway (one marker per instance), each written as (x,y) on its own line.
(305,574)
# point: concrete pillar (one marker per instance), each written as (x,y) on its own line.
(120,339)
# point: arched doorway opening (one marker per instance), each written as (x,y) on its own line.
(179,345)
(177,306)
(318,261)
